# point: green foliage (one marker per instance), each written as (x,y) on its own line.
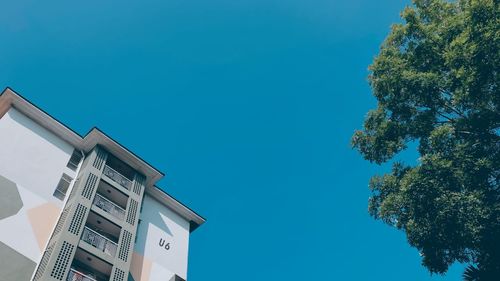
(436,82)
(474,273)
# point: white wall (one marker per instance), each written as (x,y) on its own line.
(160,223)
(34,159)
(31,156)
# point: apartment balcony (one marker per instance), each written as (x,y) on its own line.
(109,207)
(119,171)
(99,241)
(88,267)
(75,275)
(117,177)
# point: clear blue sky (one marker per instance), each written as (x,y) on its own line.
(247,105)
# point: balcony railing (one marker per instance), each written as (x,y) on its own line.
(75,275)
(117,177)
(109,207)
(100,242)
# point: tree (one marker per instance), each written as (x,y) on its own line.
(472,273)
(436,82)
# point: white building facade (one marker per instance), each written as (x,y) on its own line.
(82,207)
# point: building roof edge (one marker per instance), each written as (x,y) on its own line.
(184,211)
(94,137)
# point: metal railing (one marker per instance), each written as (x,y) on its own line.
(109,207)
(99,241)
(117,177)
(75,275)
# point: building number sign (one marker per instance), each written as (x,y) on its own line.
(164,245)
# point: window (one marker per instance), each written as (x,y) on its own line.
(137,235)
(74,160)
(62,187)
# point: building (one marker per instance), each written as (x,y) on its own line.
(82,207)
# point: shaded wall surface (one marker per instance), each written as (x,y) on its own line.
(161,250)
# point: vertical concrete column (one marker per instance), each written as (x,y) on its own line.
(57,258)
(121,265)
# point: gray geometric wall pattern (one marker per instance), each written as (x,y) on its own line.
(17,255)
(14,266)
(10,200)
